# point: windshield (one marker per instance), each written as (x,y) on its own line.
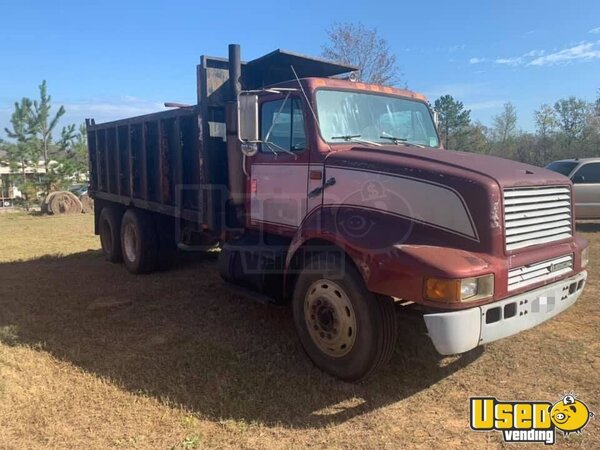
(562,167)
(347,115)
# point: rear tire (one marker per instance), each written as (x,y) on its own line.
(139,241)
(110,233)
(346,330)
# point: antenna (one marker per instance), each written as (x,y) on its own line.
(310,106)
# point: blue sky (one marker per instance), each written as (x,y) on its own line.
(113,59)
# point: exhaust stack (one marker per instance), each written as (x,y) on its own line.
(235,71)
(234,153)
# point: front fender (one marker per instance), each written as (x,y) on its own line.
(317,231)
(396,270)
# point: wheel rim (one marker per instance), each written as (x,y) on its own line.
(130,242)
(106,237)
(330,318)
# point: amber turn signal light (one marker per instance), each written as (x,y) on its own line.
(442,290)
(459,290)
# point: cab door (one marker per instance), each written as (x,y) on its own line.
(586,189)
(278,173)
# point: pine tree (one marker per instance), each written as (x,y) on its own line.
(22,153)
(42,125)
(453,118)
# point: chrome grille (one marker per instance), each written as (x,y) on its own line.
(535,273)
(536,215)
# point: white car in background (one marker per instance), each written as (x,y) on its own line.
(585,175)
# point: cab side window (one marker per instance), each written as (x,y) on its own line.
(282,126)
(588,174)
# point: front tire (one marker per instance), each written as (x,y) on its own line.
(139,241)
(346,330)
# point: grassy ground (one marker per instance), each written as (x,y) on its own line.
(92,357)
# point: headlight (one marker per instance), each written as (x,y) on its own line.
(585,257)
(459,290)
(468,288)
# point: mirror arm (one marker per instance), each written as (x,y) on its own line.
(276,117)
(283,150)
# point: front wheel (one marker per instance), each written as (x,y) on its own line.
(346,330)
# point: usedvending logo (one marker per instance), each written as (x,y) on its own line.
(529,421)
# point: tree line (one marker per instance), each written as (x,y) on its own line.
(570,128)
(33,146)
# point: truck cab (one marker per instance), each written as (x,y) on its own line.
(341,201)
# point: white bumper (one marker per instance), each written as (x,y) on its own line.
(460,331)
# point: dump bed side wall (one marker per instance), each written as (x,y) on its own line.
(172,162)
(157,162)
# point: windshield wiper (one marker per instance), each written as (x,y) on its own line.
(355,137)
(394,139)
(401,141)
(347,137)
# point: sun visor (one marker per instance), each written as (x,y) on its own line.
(276,67)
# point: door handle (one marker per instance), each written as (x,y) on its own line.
(317,191)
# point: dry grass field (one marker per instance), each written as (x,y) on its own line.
(93,357)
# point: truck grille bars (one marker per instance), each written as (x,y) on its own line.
(536,215)
(538,272)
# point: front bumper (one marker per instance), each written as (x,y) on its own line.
(460,331)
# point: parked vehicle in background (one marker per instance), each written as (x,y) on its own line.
(7,189)
(337,197)
(585,175)
(78,189)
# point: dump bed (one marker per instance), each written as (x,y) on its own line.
(158,162)
(175,162)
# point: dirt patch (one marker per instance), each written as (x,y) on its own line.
(91,356)
(108,303)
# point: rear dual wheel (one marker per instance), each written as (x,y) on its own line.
(346,330)
(143,241)
(139,241)
(109,226)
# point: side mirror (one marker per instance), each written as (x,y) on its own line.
(578,179)
(248,117)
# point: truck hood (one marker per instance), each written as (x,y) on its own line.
(505,172)
(455,197)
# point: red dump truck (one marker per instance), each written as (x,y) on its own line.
(336,197)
